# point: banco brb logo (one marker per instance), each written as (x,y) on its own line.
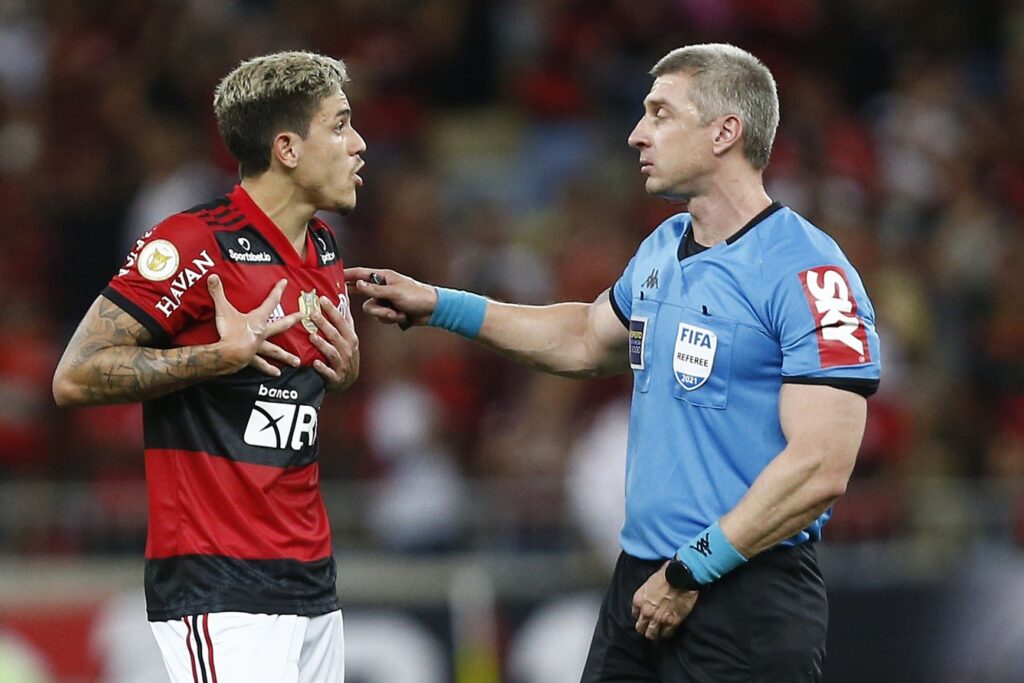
(281,425)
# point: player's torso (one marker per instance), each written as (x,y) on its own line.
(236,520)
(252,417)
(249,266)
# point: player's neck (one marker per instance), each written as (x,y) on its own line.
(281,202)
(729,205)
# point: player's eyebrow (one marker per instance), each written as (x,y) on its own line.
(342,113)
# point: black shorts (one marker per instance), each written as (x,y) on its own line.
(764,622)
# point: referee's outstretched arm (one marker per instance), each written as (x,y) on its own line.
(568,339)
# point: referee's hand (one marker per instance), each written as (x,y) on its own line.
(393,298)
(659,608)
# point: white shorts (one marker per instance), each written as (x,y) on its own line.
(236,647)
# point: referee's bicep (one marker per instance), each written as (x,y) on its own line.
(608,337)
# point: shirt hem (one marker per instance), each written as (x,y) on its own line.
(311,610)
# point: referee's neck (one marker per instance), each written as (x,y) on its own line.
(725,210)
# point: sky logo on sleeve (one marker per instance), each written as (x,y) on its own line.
(842,339)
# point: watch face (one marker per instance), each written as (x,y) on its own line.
(678,576)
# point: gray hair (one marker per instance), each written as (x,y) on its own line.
(728,80)
(264,95)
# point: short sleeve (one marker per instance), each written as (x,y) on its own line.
(157,285)
(825,325)
(621,297)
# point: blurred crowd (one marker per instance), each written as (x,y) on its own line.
(497,162)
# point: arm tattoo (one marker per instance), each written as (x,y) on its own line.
(107,362)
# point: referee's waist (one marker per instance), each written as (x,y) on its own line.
(784,548)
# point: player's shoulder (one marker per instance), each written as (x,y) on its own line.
(181,238)
(199,221)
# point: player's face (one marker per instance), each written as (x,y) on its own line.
(676,152)
(330,159)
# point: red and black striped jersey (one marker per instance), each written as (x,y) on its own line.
(236,519)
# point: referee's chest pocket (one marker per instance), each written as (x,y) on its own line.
(641,342)
(702,358)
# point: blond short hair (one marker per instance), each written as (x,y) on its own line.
(268,94)
(729,80)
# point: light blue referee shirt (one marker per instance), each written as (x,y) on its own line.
(712,337)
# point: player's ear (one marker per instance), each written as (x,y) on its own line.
(286,148)
(727,131)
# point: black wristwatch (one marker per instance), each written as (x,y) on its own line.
(680,577)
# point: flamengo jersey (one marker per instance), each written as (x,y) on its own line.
(236,520)
(712,337)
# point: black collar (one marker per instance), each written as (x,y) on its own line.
(688,246)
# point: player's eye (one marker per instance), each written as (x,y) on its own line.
(661,113)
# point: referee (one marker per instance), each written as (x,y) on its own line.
(752,346)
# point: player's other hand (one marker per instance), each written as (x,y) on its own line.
(659,608)
(336,339)
(243,336)
(394,298)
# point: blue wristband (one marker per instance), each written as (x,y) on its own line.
(459,312)
(710,555)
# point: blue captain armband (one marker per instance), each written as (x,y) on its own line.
(459,312)
(709,555)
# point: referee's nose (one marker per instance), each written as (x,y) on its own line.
(639,138)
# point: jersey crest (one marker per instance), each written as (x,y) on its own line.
(694,355)
(309,305)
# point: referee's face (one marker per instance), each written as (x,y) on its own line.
(329,159)
(675,149)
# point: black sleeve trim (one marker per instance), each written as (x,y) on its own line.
(858,385)
(618,313)
(135,311)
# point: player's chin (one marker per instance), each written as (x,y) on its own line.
(345,204)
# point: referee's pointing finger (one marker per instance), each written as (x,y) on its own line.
(356,273)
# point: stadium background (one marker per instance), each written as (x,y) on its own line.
(474,503)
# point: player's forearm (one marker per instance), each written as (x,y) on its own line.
(125,374)
(792,492)
(548,338)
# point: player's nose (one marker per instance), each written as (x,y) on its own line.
(359,143)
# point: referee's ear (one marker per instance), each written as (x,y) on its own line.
(728,130)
